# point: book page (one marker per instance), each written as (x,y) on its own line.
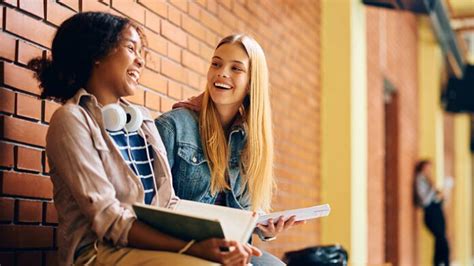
(237,224)
(301,214)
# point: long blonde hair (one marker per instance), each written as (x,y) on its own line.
(257,155)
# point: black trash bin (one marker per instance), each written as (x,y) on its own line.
(318,255)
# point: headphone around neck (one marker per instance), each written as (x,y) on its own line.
(117,117)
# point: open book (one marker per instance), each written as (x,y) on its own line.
(301,214)
(194,220)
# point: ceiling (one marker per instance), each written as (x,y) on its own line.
(462,22)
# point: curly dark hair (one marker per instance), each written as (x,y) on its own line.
(80,41)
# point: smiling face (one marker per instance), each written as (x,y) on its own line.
(117,74)
(228,76)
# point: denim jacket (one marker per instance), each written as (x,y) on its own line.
(179,130)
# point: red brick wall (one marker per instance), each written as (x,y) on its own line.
(392,54)
(182,35)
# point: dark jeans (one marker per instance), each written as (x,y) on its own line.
(434,220)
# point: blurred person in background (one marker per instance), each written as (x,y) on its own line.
(431,200)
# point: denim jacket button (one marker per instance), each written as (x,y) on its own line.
(194,159)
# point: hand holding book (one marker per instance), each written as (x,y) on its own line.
(272,224)
(216,233)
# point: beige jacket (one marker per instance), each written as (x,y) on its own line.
(94,188)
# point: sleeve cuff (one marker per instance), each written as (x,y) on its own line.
(264,238)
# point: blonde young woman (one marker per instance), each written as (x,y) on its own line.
(220,144)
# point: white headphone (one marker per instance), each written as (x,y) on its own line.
(117,117)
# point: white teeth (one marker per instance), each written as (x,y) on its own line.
(134,74)
(222,85)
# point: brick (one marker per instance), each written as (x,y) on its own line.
(73,4)
(11,2)
(210,21)
(153,61)
(174,52)
(94,6)
(174,15)
(28,106)
(154,81)
(194,28)
(206,52)
(152,100)
(138,97)
(183,5)
(193,79)
(29,258)
(193,45)
(201,2)
(26,52)
(212,6)
(56,13)
(26,236)
(51,258)
(194,62)
(211,38)
(189,92)
(226,3)
(51,215)
(156,42)
(166,104)
(29,211)
(194,10)
(172,70)
(6,154)
(106,2)
(16,129)
(27,185)
(173,33)
(19,77)
(226,31)
(152,21)
(33,7)
(175,90)
(157,6)
(7,104)
(227,17)
(29,28)
(241,12)
(202,83)
(130,9)
(46,164)
(7,258)
(6,209)
(49,108)
(1,18)
(29,159)
(7,46)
